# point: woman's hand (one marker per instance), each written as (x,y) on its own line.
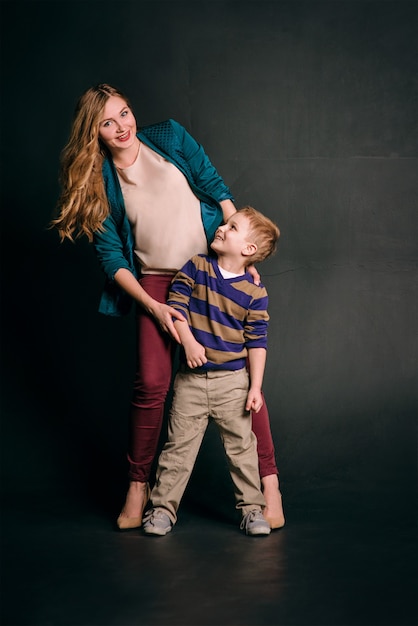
(251,269)
(163,314)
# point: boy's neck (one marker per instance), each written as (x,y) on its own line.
(235,266)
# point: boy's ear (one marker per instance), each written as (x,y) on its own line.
(249,249)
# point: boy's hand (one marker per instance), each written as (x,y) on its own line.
(195,354)
(254,400)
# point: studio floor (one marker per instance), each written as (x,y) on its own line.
(339,561)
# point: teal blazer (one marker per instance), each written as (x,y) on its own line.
(115,246)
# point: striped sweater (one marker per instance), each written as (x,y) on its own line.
(227,316)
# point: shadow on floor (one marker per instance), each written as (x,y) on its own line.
(341,560)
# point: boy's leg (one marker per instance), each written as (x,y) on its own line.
(186,427)
(228,394)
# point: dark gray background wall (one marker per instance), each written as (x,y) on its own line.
(308,110)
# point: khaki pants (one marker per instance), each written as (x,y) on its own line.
(197,397)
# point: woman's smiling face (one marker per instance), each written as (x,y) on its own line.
(117,128)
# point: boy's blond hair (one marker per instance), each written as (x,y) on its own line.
(263,232)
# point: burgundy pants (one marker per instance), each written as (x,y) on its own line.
(155,356)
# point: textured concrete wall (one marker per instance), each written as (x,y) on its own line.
(308,111)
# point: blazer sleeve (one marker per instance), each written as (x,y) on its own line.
(110,249)
(204,173)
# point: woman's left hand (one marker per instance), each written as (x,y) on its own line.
(253,271)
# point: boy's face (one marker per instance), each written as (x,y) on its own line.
(232,239)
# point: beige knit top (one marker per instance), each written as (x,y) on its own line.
(163,212)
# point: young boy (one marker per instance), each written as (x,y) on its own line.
(227,320)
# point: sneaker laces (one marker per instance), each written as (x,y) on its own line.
(153,515)
(250,517)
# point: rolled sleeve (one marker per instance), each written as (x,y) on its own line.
(110,249)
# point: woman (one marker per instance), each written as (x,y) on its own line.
(148,201)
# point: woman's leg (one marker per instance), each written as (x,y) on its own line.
(265,446)
(155,352)
(268,468)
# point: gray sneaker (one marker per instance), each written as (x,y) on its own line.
(156,522)
(254,523)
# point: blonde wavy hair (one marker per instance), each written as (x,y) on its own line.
(83,206)
(263,232)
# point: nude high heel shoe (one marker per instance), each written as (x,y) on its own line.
(273,511)
(128,523)
(275,519)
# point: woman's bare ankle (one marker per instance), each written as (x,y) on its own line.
(273,511)
(134,501)
(270,483)
(136,486)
